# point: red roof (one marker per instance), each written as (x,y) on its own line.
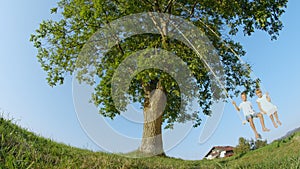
(221,148)
(227,148)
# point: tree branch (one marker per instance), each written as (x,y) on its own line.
(193,9)
(116,38)
(169,7)
(156,6)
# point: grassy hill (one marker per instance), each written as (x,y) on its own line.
(22,149)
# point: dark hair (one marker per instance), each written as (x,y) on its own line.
(244,93)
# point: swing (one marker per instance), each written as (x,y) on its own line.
(214,74)
(227,95)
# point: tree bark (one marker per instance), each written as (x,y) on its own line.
(154,105)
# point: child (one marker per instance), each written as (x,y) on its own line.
(266,107)
(249,114)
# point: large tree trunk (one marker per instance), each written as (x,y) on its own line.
(154,105)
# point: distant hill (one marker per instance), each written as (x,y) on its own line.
(288,134)
(20,148)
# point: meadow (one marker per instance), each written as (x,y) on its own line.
(20,148)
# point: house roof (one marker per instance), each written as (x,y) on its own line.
(227,148)
(221,148)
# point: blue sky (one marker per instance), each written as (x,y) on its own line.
(49,112)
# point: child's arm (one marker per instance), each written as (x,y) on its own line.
(235,106)
(268,97)
(259,106)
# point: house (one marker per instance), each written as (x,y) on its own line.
(219,152)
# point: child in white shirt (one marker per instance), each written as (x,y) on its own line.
(266,107)
(249,114)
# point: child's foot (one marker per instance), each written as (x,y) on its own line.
(258,136)
(275,125)
(266,129)
(279,122)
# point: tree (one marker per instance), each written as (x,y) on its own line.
(243,146)
(260,143)
(59,43)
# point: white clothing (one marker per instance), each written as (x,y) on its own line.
(247,108)
(267,106)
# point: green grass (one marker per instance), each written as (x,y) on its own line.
(22,149)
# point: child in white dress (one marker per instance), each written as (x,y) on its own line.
(266,107)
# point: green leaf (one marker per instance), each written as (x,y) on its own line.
(53,10)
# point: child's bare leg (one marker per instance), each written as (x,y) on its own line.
(253,128)
(272,118)
(277,119)
(262,122)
